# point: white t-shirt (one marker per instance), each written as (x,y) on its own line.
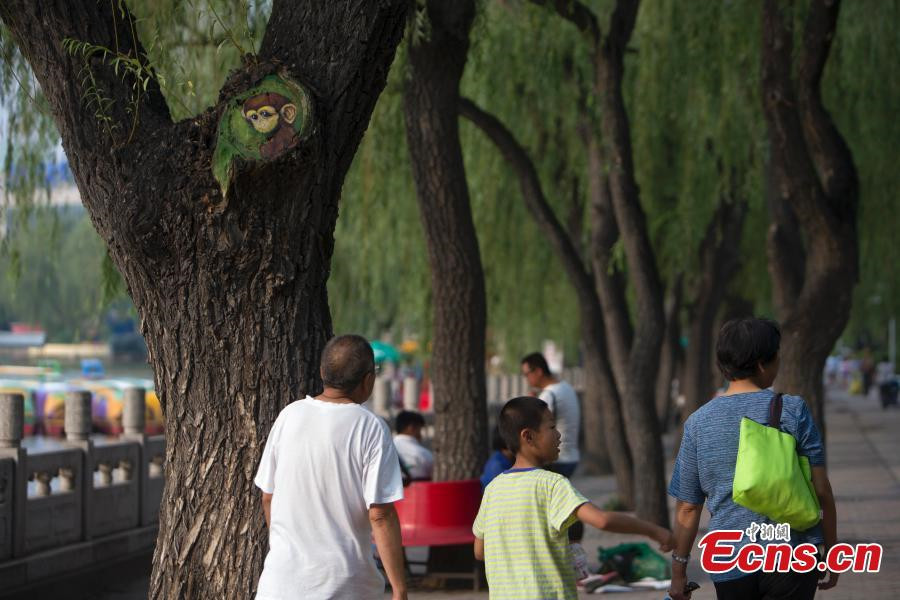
(417,459)
(563,403)
(325,464)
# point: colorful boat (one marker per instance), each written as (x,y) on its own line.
(45,403)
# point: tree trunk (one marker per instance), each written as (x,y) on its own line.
(719,261)
(670,356)
(637,393)
(601,401)
(230,291)
(608,278)
(814,192)
(638,396)
(457,279)
(602,411)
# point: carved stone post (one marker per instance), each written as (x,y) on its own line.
(78,434)
(12,420)
(134,416)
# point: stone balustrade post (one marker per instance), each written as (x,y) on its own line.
(134,411)
(12,428)
(12,420)
(134,417)
(78,416)
(78,425)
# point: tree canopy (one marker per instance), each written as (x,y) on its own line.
(693,96)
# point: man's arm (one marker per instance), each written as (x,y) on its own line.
(479,548)
(687,520)
(267,508)
(829,518)
(386,531)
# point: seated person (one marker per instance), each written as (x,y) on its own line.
(415,458)
(500,460)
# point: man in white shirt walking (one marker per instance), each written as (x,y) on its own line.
(329,476)
(415,457)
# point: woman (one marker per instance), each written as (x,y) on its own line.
(747,356)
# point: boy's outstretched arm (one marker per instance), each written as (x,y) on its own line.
(618,522)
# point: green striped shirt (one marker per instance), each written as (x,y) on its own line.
(523,520)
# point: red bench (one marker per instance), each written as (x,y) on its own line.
(440,513)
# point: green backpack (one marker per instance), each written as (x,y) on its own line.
(770,478)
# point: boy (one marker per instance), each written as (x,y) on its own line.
(520,530)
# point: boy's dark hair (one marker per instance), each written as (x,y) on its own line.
(497,441)
(346,360)
(405,418)
(524,412)
(536,360)
(744,344)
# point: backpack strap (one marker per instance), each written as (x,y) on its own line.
(775,411)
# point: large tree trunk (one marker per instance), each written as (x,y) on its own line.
(719,260)
(457,279)
(230,291)
(814,196)
(601,401)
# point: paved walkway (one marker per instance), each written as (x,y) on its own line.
(864,466)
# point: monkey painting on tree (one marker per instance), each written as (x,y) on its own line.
(263,123)
(272,114)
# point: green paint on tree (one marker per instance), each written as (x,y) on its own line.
(261,124)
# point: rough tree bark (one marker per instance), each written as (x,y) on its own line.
(638,384)
(457,278)
(231,292)
(814,195)
(601,399)
(719,259)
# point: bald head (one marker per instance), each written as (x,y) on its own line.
(346,360)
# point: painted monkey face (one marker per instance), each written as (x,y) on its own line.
(266,112)
(263,120)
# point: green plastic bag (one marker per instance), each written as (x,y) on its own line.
(770,478)
(633,562)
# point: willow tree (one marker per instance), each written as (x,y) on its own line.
(813,196)
(230,287)
(437,59)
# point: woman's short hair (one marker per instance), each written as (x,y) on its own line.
(524,412)
(744,344)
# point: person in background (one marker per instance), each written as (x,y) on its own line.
(415,457)
(501,459)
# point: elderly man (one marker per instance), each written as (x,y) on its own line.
(329,476)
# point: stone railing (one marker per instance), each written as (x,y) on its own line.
(66,505)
